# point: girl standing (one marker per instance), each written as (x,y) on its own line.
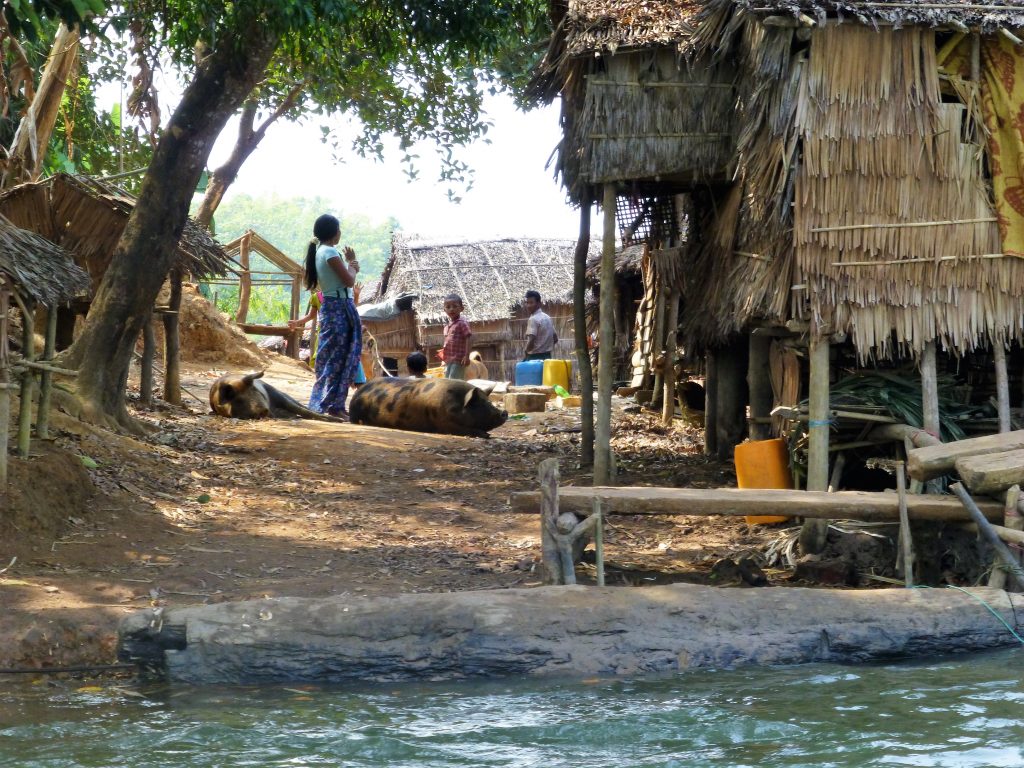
(340,340)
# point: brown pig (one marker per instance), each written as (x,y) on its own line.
(445,406)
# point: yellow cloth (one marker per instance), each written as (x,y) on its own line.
(1002,106)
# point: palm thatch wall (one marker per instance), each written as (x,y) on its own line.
(492,278)
(86,217)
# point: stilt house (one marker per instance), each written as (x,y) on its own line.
(850,171)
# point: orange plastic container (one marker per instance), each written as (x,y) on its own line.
(763,464)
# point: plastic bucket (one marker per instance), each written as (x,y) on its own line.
(530,373)
(557,372)
(763,464)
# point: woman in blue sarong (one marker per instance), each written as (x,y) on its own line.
(341,334)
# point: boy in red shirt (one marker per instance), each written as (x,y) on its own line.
(455,353)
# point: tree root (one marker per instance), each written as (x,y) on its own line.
(86,411)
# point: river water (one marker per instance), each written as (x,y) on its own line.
(964,711)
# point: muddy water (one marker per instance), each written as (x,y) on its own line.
(966,711)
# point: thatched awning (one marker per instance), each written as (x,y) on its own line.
(989,17)
(491,276)
(86,217)
(40,269)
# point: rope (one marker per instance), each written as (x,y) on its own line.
(991,610)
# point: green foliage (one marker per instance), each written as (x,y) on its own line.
(288,224)
(28,19)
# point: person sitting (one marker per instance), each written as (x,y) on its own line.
(416,362)
(540,331)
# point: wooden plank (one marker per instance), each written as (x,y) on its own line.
(991,472)
(817,505)
(936,460)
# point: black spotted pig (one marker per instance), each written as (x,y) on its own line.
(245,397)
(446,406)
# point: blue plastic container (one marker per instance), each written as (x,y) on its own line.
(530,373)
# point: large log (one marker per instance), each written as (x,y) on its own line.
(991,472)
(936,460)
(818,505)
(558,632)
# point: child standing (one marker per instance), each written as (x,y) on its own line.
(455,353)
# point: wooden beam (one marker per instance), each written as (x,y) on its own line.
(937,460)
(991,472)
(734,502)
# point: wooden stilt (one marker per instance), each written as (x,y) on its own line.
(606,351)
(172,342)
(759,387)
(1013,521)
(46,377)
(599,541)
(814,532)
(28,381)
(583,366)
(244,279)
(5,385)
(731,404)
(668,406)
(659,332)
(547,476)
(711,403)
(906,542)
(148,357)
(930,401)
(1002,386)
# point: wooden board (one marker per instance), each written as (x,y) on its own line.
(991,472)
(852,505)
(937,460)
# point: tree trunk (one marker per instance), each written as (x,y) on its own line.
(579,319)
(148,245)
(172,342)
(248,139)
(28,148)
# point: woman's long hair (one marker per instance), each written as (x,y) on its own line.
(324,228)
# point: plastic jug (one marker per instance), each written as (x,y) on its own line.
(530,373)
(763,464)
(557,373)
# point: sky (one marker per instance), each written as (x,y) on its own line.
(513,194)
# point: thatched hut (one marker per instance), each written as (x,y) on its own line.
(33,271)
(492,278)
(848,168)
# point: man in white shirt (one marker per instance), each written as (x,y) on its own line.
(540,331)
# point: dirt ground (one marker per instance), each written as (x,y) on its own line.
(210,509)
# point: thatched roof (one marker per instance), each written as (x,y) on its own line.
(39,269)
(491,276)
(86,217)
(628,262)
(609,25)
(989,17)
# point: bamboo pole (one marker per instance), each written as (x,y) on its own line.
(990,535)
(904,225)
(46,378)
(606,351)
(814,532)
(586,371)
(1011,520)
(5,390)
(668,404)
(27,382)
(1002,385)
(148,357)
(906,542)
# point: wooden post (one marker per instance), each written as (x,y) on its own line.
(606,351)
(814,532)
(547,476)
(710,403)
(172,342)
(148,356)
(244,280)
(930,401)
(1013,521)
(668,405)
(46,377)
(759,386)
(660,289)
(5,385)
(731,419)
(296,298)
(1002,385)
(906,542)
(579,321)
(985,529)
(599,541)
(28,381)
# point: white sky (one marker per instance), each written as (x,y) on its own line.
(512,194)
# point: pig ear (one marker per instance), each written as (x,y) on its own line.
(227,393)
(469,396)
(250,378)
